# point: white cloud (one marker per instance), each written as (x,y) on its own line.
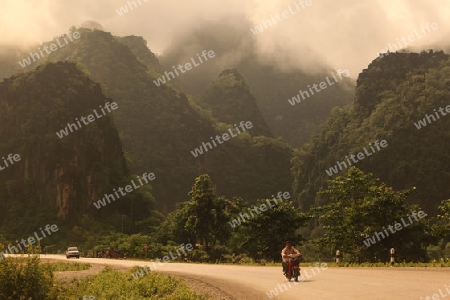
(346,34)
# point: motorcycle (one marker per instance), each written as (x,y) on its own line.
(293,270)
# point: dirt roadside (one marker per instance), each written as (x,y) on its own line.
(257,282)
(71,277)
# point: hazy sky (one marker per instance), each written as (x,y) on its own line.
(345,34)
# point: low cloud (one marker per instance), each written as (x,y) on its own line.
(342,34)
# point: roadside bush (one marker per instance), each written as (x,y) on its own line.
(218,253)
(244,259)
(198,256)
(61,266)
(112,285)
(25,278)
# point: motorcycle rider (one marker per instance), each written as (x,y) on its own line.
(287,253)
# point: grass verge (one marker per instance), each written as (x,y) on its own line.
(112,285)
(69,266)
(436,264)
(29,278)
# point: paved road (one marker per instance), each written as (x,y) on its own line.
(246,282)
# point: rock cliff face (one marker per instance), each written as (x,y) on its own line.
(66,173)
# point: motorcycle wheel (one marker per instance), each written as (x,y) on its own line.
(296,273)
(290,274)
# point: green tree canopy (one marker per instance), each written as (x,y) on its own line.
(358,208)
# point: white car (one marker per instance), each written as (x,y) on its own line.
(72,252)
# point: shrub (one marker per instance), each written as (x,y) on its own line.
(198,256)
(110,284)
(61,266)
(25,278)
(219,252)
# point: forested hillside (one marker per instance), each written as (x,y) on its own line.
(392,95)
(159,127)
(273,88)
(57,178)
(398,114)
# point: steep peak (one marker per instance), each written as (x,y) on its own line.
(232,72)
(231,78)
(138,45)
(230,101)
(389,70)
(90,24)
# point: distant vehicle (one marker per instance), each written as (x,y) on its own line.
(72,252)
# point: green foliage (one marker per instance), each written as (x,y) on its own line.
(112,285)
(198,255)
(441,225)
(174,227)
(272,87)
(200,209)
(230,101)
(138,46)
(54,180)
(358,207)
(444,208)
(206,217)
(392,94)
(62,267)
(58,179)
(25,278)
(388,72)
(263,235)
(159,126)
(132,246)
(251,167)
(401,264)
